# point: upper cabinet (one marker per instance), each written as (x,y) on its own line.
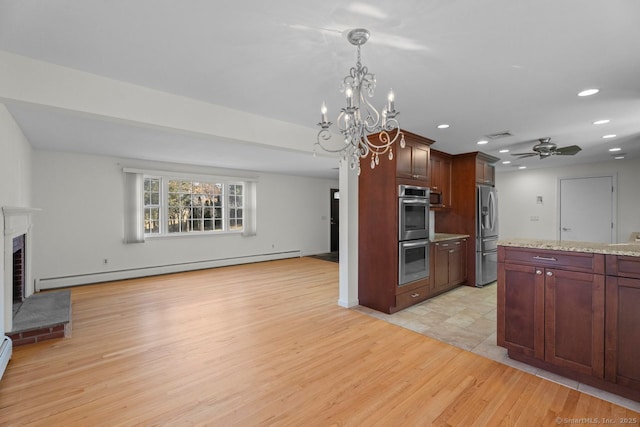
(440,179)
(485,171)
(413,159)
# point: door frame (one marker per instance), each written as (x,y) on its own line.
(614,201)
(334,220)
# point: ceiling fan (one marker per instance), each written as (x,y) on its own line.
(545,148)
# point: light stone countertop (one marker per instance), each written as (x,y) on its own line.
(440,237)
(628,249)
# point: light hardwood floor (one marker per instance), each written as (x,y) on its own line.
(264,344)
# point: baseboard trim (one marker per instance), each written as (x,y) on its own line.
(108,276)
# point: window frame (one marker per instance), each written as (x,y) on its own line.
(226,182)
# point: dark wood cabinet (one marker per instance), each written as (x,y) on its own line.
(440,177)
(521,309)
(622,334)
(571,313)
(461,217)
(378,226)
(485,172)
(448,264)
(574,321)
(413,159)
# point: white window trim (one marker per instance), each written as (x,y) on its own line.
(249,202)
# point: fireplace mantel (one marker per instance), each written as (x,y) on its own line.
(17,221)
(17,218)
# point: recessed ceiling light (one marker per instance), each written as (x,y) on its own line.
(619,157)
(483,142)
(504,151)
(522,167)
(588,92)
(506,162)
(615,149)
(443,126)
(601,122)
(609,136)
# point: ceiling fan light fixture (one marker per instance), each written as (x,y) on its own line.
(588,92)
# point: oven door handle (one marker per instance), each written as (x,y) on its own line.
(413,244)
(414,201)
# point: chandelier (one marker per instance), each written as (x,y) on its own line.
(359,119)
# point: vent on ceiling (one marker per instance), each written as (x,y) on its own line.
(499,135)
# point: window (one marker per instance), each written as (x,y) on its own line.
(186,206)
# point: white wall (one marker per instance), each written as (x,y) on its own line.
(15,179)
(518,190)
(81,222)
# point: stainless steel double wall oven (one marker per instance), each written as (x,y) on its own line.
(413,233)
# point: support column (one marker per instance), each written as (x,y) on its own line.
(348,296)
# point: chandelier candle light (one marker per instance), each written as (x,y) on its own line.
(359,118)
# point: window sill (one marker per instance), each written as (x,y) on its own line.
(186,235)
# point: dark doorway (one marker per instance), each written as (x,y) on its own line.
(335,220)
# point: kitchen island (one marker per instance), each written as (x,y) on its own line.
(572,308)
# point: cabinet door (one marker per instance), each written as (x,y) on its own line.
(458,262)
(421,162)
(413,161)
(441,266)
(440,177)
(485,173)
(574,321)
(445,182)
(521,309)
(404,168)
(622,336)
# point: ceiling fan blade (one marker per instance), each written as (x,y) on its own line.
(567,151)
(523,155)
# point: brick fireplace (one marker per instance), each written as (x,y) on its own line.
(19,268)
(17,256)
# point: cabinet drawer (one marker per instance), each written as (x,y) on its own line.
(412,297)
(623,266)
(575,261)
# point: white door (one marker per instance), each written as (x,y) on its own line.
(587,209)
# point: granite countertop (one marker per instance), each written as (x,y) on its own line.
(628,249)
(439,237)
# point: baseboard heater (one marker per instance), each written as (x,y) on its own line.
(6,349)
(108,276)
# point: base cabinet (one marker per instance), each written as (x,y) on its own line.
(562,311)
(574,321)
(622,335)
(449,264)
(521,309)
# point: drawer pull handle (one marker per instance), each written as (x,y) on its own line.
(538,272)
(457,243)
(544,258)
(549,273)
(451,251)
(416,295)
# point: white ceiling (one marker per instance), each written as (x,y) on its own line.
(481,66)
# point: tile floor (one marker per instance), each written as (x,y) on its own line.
(466,318)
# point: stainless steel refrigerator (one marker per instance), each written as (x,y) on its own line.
(486,235)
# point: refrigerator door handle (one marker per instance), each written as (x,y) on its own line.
(492,209)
